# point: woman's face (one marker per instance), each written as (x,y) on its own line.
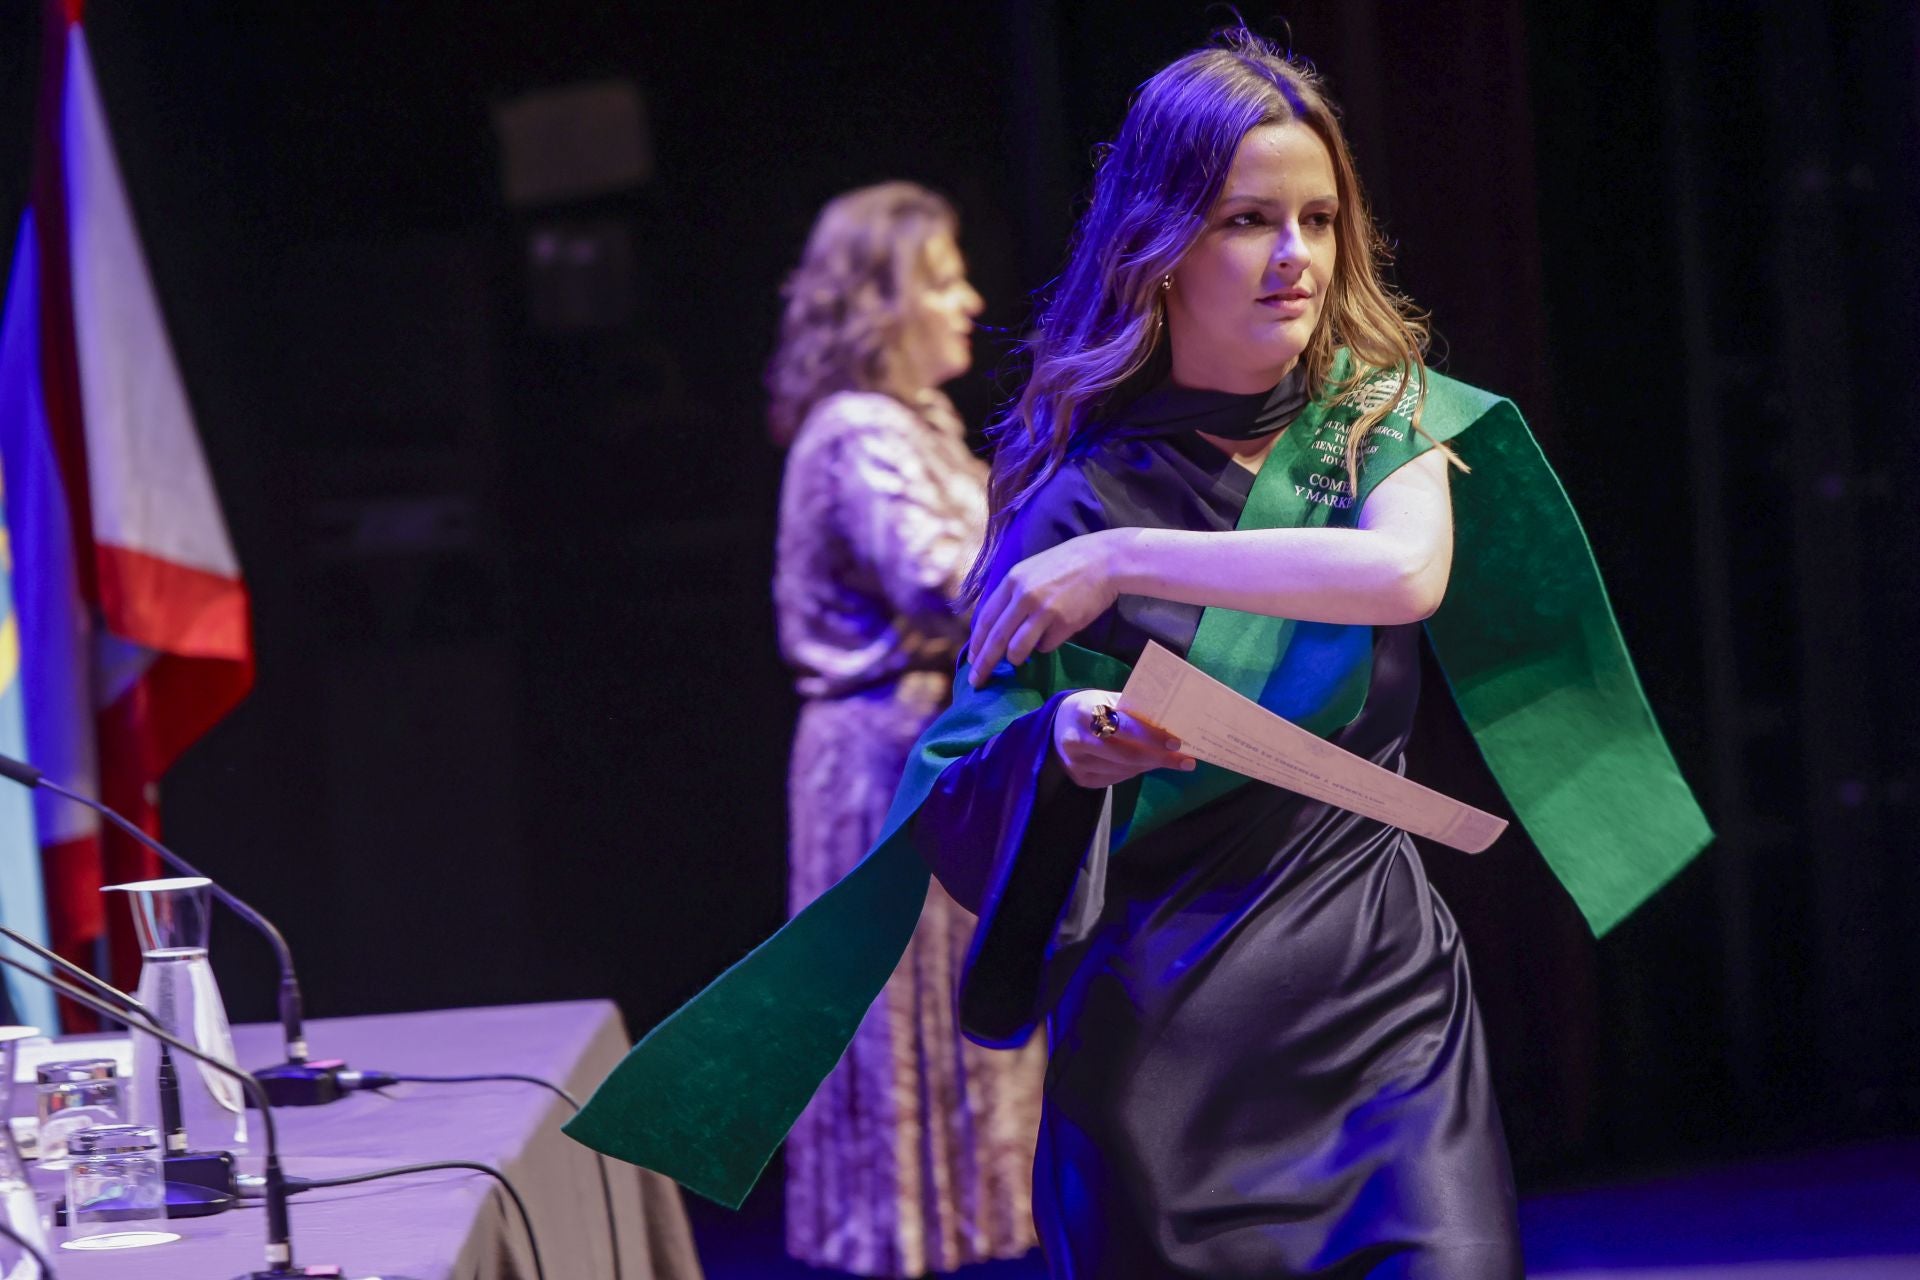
(936,345)
(1248,295)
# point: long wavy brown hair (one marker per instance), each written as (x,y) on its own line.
(846,304)
(1100,338)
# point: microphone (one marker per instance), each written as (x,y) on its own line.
(198,1183)
(297,1082)
(279,1228)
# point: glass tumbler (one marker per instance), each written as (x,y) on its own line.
(73,1095)
(114,1180)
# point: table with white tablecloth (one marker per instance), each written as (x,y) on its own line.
(441,1225)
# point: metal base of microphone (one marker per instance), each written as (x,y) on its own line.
(185,1200)
(302,1084)
(213,1170)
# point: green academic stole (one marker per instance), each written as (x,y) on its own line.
(1530,648)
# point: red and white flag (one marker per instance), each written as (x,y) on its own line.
(134,619)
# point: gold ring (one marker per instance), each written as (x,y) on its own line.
(1105,723)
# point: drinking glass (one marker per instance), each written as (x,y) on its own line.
(73,1095)
(116,1191)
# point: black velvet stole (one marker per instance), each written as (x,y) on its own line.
(1172,410)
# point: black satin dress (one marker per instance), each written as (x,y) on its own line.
(1266,1059)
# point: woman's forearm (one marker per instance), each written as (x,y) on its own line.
(1392,569)
(1371,577)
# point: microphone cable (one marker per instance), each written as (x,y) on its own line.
(297,1185)
(381,1079)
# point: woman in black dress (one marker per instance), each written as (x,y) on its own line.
(1265,1055)
(1266,1059)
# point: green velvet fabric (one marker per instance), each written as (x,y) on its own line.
(707,1096)
(1544,680)
(1534,659)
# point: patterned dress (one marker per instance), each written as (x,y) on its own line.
(917,1153)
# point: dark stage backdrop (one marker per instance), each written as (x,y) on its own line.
(498,477)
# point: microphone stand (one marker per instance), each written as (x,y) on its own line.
(297,1082)
(198,1183)
(27,1247)
(279,1229)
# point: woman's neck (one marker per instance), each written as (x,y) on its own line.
(906,390)
(1239,382)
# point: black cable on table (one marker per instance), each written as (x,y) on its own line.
(39,1258)
(350,1179)
(606,1185)
(490,1078)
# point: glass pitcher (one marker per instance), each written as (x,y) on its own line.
(172,918)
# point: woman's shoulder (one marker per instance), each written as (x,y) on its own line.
(1064,505)
(846,413)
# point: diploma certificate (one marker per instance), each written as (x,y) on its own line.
(1218,725)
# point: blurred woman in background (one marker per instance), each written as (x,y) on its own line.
(915,1155)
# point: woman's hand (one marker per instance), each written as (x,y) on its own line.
(1132,749)
(1044,601)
